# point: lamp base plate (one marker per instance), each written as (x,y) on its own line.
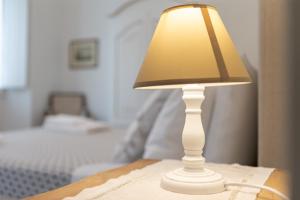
(202,182)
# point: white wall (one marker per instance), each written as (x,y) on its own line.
(45,53)
(15,108)
(88,19)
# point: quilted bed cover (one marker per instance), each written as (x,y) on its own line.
(36,160)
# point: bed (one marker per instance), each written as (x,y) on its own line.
(38,160)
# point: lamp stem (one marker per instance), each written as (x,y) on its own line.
(193,178)
(193,137)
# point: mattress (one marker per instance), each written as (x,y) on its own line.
(36,160)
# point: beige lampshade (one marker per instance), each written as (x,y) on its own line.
(191,45)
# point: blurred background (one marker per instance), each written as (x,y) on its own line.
(95,48)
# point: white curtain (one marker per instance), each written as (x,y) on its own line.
(14,37)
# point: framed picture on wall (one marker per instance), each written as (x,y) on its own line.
(83,53)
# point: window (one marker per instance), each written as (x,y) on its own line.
(1,43)
(13,43)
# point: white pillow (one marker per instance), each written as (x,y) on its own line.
(132,147)
(72,124)
(164,141)
(64,119)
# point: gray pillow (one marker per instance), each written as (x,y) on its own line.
(229,120)
(132,146)
(164,141)
(232,133)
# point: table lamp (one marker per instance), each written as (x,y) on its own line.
(191,49)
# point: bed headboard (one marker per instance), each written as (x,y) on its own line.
(72,103)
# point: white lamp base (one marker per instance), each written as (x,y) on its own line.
(194,183)
(193,178)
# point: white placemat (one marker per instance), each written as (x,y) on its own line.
(145,184)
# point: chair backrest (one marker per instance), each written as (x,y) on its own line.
(67,103)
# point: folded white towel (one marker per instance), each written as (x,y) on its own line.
(73,124)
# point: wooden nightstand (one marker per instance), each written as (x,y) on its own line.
(277,180)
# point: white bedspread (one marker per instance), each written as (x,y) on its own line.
(36,160)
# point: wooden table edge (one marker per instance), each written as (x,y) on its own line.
(278,180)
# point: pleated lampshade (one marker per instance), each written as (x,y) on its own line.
(191,46)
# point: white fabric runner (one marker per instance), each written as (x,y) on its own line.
(145,184)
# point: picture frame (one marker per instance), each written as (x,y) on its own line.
(83,53)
